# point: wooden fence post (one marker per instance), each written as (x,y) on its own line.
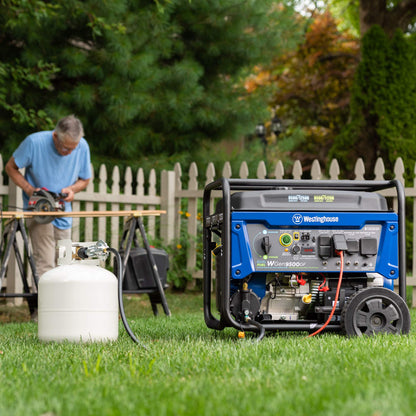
(115,221)
(14,283)
(167,203)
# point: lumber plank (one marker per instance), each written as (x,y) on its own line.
(80,214)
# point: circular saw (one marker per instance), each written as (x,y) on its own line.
(45,201)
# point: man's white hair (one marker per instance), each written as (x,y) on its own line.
(69,127)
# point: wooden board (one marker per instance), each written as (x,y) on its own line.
(81,214)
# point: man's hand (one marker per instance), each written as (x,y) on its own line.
(78,186)
(70,194)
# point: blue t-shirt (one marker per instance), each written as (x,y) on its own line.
(46,168)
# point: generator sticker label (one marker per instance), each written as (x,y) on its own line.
(298,198)
(281,264)
(323,198)
(321,219)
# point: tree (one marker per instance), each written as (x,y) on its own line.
(361,15)
(143,81)
(382,116)
(312,88)
(381,121)
(390,16)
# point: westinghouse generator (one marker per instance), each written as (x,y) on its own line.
(305,255)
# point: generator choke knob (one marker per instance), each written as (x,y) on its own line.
(265,244)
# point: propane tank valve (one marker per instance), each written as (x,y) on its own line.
(99,250)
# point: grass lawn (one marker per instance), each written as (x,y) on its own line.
(189,369)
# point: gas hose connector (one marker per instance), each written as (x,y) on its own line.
(99,250)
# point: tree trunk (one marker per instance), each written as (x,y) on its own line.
(376,12)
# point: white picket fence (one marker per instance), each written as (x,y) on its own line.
(182,202)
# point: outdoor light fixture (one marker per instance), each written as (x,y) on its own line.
(261,131)
(261,134)
(276,125)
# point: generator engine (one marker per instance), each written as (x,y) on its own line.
(306,256)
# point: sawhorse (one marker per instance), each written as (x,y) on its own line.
(129,237)
(11,228)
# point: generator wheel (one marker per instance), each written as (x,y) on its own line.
(375,310)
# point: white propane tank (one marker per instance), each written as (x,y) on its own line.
(78,302)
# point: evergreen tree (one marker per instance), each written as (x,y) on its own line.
(142,80)
(382,117)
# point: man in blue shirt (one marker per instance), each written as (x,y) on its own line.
(59,161)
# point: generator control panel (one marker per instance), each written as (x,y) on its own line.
(275,244)
(295,249)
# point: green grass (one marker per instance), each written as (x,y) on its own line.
(189,369)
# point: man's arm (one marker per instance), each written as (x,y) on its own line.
(13,171)
(78,186)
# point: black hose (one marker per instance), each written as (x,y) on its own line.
(120,296)
(259,326)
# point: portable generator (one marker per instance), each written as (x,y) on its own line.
(305,255)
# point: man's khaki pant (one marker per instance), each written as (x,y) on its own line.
(44,238)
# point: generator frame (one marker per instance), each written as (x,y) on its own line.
(220,225)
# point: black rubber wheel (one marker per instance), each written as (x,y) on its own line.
(375,310)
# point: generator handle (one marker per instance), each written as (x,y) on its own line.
(401,207)
(272,184)
(210,320)
(226,317)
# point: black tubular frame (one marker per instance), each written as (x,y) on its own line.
(129,237)
(225,186)
(9,241)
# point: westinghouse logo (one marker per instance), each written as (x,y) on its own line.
(297,218)
(322,219)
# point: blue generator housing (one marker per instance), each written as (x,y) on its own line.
(305,255)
